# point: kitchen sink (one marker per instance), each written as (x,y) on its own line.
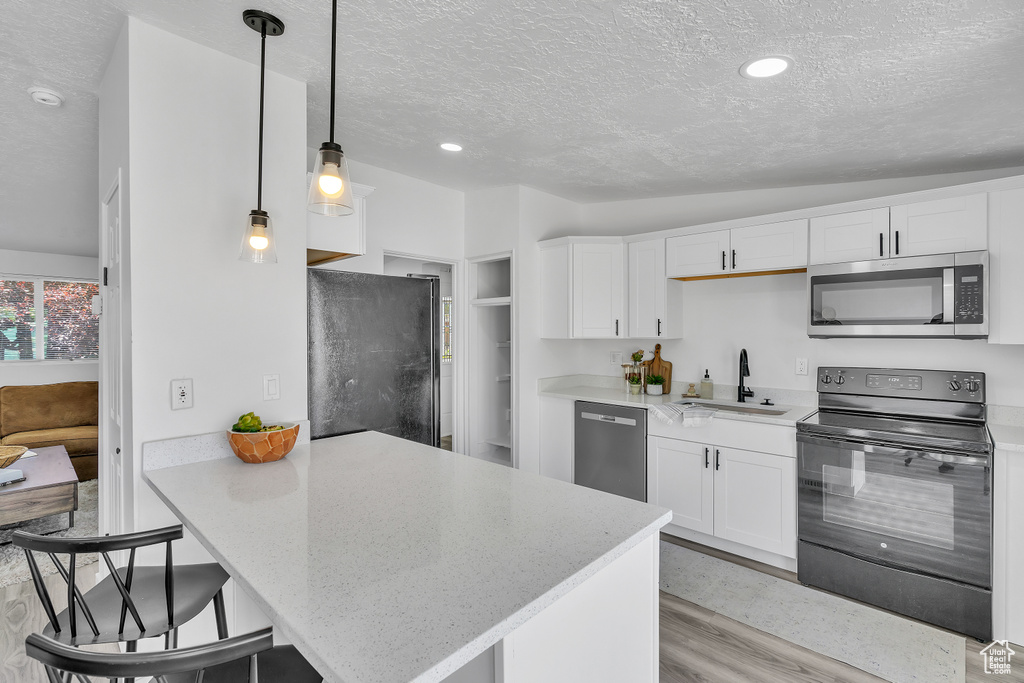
(734,408)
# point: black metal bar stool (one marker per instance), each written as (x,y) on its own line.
(133,602)
(248,658)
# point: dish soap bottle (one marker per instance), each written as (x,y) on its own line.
(707,387)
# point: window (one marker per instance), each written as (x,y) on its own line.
(69,331)
(446,329)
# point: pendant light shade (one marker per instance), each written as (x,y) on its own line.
(258,245)
(330,193)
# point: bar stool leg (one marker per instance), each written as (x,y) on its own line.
(218,610)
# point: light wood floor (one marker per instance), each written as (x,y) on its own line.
(700,645)
(22,614)
(697,645)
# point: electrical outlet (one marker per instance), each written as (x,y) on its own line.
(616,358)
(181,394)
(271,387)
(801,366)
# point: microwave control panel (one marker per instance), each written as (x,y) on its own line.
(969,296)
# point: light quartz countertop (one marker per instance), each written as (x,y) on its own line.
(385,560)
(1007,437)
(581,388)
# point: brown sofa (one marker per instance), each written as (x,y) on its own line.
(51,415)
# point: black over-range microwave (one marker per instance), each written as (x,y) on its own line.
(919,296)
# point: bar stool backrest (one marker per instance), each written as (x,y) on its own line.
(64,663)
(104,545)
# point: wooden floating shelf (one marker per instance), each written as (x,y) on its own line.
(728,275)
(493,301)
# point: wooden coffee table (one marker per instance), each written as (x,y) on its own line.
(50,488)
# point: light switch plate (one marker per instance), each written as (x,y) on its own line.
(181,394)
(801,366)
(271,387)
(616,358)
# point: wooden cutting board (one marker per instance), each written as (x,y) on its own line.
(657,366)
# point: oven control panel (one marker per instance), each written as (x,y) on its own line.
(927,384)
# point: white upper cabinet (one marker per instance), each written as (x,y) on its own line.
(597,291)
(330,238)
(647,289)
(1006,267)
(705,253)
(556,292)
(773,246)
(854,236)
(942,226)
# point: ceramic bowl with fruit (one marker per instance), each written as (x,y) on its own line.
(254,442)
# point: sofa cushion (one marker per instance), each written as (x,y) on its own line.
(48,406)
(76,440)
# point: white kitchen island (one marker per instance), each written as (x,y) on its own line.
(384,560)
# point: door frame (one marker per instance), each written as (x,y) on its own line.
(460,435)
(115,484)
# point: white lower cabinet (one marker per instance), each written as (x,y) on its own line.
(679,478)
(755,499)
(746,497)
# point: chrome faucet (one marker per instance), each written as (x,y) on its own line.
(743,393)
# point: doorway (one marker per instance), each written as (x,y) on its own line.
(404,266)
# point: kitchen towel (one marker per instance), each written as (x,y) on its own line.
(690,416)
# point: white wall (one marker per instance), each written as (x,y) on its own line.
(767,314)
(405,215)
(34,264)
(197,311)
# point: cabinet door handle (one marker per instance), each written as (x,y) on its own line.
(659,327)
(707,462)
(734,259)
(717,453)
(723,260)
(897,242)
(881,244)
(616,328)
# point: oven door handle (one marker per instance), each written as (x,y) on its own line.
(889,449)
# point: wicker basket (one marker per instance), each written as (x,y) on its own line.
(10,454)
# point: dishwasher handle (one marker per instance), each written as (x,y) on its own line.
(609,419)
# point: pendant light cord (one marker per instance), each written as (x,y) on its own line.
(263,66)
(334,58)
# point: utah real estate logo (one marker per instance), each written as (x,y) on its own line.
(997,656)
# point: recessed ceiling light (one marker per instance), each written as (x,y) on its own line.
(765,67)
(451,147)
(46,96)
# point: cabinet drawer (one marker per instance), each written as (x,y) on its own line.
(751,436)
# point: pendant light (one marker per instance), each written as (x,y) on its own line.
(258,241)
(330,193)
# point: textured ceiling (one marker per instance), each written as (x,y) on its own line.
(587,100)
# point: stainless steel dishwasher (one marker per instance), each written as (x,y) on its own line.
(610,451)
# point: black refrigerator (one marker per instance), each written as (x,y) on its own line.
(374,355)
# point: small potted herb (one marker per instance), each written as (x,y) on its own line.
(636,383)
(655,385)
(638,356)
